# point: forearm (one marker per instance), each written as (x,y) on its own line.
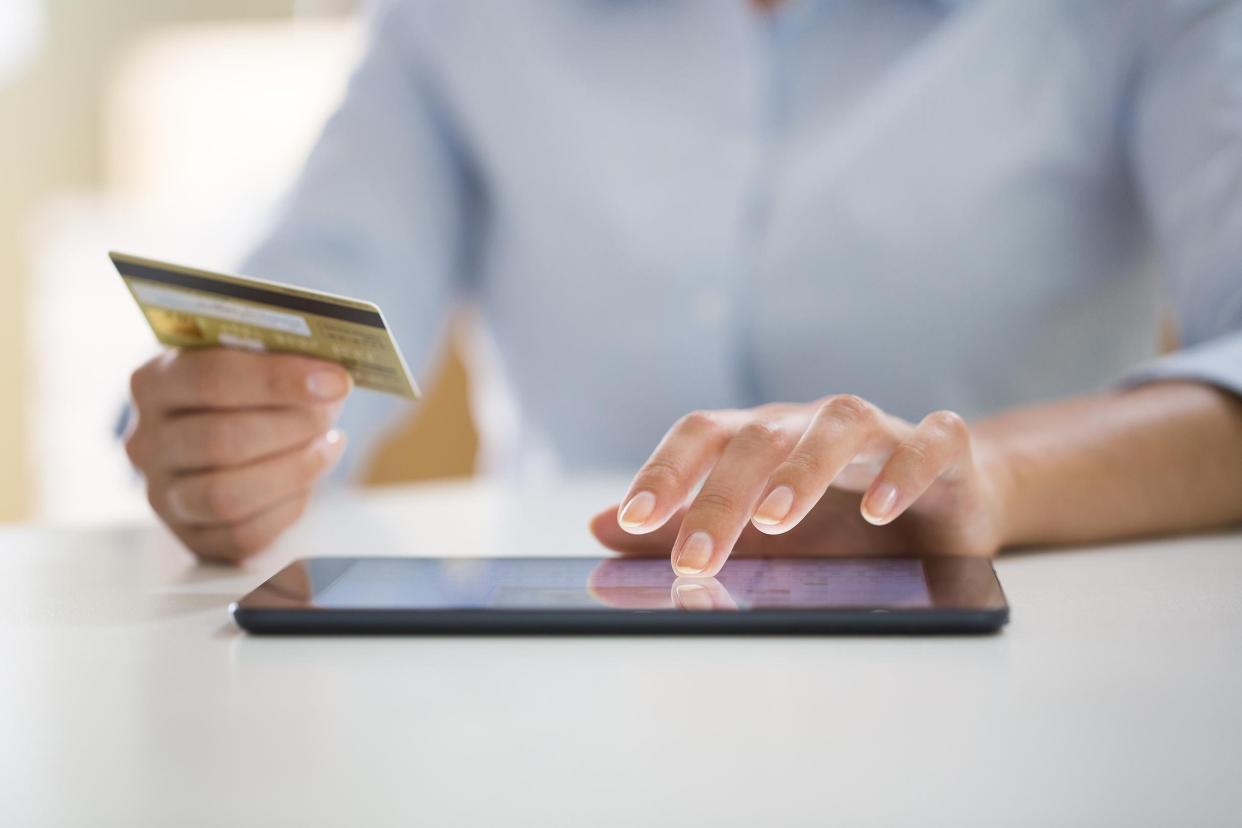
(1161,458)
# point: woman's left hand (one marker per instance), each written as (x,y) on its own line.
(833,477)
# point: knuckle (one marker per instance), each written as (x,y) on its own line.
(138,448)
(850,408)
(762,434)
(803,464)
(698,423)
(139,381)
(660,474)
(715,503)
(915,454)
(144,379)
(948,424)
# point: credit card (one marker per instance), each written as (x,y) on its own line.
(190,308)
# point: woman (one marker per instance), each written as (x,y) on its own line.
(897,210)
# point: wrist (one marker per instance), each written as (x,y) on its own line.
(997,468)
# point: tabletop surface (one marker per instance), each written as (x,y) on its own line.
(127,696)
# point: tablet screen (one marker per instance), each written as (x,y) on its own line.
(603,584)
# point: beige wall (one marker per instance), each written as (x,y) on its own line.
(49,141)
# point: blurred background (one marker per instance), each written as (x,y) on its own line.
(168,129)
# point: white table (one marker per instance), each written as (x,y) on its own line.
(127,697)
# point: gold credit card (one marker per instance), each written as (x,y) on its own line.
(190,308)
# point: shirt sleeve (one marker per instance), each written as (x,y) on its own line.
(381,211)
(1188,156)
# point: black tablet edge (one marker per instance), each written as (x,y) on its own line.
(622,622)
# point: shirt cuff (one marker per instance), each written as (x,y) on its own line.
(1215,362)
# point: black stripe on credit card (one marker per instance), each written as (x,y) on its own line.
(250,293)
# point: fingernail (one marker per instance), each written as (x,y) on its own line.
(694,555)
(637,511)
(693,597)
(329,446)
(327,385)
(775,507)
(881,502)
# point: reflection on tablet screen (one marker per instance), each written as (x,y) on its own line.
(610,583)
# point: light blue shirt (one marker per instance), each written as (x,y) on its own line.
(658,206)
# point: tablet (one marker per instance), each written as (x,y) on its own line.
(626,595)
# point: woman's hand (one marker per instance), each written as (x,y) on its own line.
(834,477)
(232,442)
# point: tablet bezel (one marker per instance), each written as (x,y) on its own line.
(274,607)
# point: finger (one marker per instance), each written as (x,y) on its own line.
(233,495)
(230,543)
(729,496)
(697,594)
(939,447)
(656,543)
(843,426)
(181,380)
(215,439)
(676,466)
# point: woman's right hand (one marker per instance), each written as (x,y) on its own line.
(231,442)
